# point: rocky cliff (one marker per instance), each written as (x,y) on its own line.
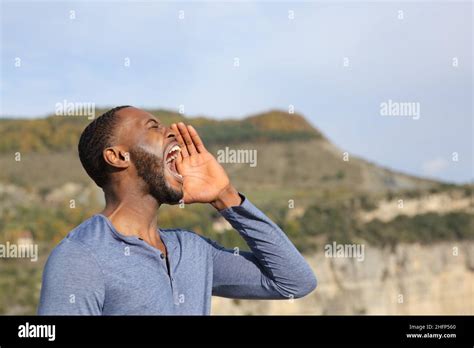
(410,279)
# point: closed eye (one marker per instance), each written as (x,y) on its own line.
(154,123)
(156,126)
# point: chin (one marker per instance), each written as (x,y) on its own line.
(174,181)
(175,189)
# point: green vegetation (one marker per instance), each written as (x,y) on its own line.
(47,224)
(339,223)
(61,133)
(424,228)
(20,284)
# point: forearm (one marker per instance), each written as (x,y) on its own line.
(278,259)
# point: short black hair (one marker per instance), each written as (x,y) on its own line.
(97,136)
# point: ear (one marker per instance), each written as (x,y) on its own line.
(117,157)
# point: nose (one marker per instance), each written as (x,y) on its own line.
(170,133)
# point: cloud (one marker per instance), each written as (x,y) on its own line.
(434,166)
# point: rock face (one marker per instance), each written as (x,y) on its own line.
(411,279)
(441,203)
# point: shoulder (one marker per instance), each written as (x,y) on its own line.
(90,232)
(75,251)
(72,265)
(186,238)
(71,252)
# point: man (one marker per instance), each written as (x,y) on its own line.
(119,262)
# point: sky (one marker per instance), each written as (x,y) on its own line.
(337,62)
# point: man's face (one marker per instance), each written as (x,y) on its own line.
(153,150)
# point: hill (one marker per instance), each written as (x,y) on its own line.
(292,154)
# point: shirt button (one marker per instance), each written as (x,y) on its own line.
(162,256)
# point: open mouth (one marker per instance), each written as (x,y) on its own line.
(170,160)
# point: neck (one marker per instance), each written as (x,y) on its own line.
(133,213)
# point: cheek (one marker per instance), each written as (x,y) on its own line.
(152,141)
(155,151)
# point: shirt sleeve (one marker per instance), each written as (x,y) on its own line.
(72,282)
(274,269)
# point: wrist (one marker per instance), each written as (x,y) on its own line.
(228,197)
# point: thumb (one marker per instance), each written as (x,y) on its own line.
(179,163)
(186,198)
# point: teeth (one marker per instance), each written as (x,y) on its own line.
(171,158)
(173,149)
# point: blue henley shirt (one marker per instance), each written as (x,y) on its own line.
(96,270)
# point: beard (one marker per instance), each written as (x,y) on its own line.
(150,169)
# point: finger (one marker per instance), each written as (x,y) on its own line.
(196,139)
(185,198)
(187,138)
(179,158)
(179,138)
